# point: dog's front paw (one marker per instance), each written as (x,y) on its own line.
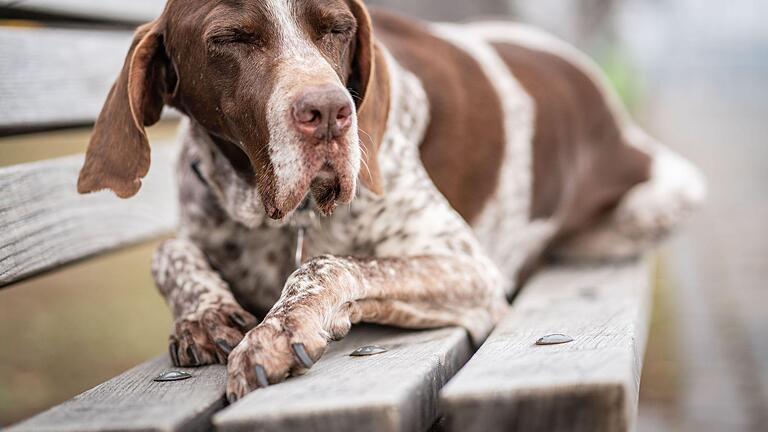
(274,350)
(208,336)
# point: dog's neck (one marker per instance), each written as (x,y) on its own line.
(407,120)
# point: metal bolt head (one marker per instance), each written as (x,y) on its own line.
(172,376)
(554,339)
(368,350)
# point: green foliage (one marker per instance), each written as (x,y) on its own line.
(623,76)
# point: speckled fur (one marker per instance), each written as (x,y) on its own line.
(405,258)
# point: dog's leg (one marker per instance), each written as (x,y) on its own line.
(646,214)
(328,294)
(418,265)
(425,269)
(208,322)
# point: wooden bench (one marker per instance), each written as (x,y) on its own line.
(427,379)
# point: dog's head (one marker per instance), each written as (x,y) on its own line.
(293,91)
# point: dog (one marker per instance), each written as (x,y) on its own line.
(339,166)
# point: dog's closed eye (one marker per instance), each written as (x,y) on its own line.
(217,37)
(343,27)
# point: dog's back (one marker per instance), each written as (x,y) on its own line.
(526,137)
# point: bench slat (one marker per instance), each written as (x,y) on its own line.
(44,223)
(134,402)
(114,10)
(394,391)
(590,384)
(56,77)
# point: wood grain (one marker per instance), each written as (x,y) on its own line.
(590,384)
(451,10)
(395,391)
(44,223)
(134,402)
(56,77)
(132,11)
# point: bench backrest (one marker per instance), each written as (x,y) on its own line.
(55,76)
(119,12)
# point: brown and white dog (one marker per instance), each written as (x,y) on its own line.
(480,149)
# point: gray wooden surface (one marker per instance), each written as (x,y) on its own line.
(395,391)
(588,385)
(450,10)
(44,223)
(130,11)
(134,402)
(144,10)
(54,77)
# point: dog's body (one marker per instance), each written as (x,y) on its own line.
(495,146)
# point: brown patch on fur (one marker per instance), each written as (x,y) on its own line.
(370,80)
(372,122)
(225,57)
(464,143)
(119,161)
(581,164)
(236,157)
(216,62)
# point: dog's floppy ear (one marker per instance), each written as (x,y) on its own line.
(118,155)
(369,81)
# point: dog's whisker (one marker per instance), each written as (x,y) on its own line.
(364,163)
(370,138)
(364,150)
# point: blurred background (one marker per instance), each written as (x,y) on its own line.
(694,73)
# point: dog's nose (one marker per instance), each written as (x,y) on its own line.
(323,113)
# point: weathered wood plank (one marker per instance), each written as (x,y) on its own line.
(44,223)
(590,384)
(55,77)
(394,391)
(449,10)
(134,402)
(34,147)
(132,11)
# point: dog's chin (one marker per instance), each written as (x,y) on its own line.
(327,187)
(325,190)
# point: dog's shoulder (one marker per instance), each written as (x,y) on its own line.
(464,141)
(575,115)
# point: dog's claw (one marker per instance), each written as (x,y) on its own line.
(238,320)
(302,356)
(192,353)
(225,347)
(173,350)
(261,376)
